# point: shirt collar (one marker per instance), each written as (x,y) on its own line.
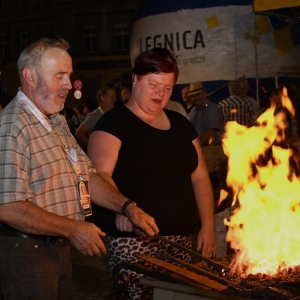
(204,105)
(55,119)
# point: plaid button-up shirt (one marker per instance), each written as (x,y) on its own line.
(237,109)
(33,165)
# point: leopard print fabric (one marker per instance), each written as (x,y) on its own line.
(121,249)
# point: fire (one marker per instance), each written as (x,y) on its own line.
(264,227)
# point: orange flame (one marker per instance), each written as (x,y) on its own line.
(263,229)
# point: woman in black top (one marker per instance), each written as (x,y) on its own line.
(153,156)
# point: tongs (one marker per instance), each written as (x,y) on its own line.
(195,256)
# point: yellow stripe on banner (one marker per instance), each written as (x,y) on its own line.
(283,41)
(262,25)
(263,5)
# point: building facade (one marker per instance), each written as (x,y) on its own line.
(98,32)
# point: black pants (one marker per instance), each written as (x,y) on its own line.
(34,270)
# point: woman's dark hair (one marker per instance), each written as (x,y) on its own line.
(157,60)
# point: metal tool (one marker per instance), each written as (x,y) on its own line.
(195,256)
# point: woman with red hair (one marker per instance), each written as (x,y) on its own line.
(153,156)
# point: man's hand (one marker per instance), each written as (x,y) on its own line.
(29,218)
(86,238)
(142,220)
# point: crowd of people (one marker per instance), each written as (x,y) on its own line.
(136,167)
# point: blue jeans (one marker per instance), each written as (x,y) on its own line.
(34,270)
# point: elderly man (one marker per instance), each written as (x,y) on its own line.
(45,179)
(208,122)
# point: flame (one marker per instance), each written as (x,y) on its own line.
(264,226)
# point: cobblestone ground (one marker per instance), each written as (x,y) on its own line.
(91,279)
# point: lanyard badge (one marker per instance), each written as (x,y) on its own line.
(83,185)
(84,192)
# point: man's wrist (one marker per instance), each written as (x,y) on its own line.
(125,205)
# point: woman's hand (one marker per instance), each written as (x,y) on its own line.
(206,242)
(123,224)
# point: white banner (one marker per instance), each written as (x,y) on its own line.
(218,43)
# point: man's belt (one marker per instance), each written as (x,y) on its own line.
(11,232)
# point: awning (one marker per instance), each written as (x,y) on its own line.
(264,5)
(285,10)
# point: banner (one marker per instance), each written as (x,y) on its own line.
(220,42)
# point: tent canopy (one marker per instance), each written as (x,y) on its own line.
(264,5)
(283,9)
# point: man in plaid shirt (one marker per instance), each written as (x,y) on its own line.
(44,180)
(234,108)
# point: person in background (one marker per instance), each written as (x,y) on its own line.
(41,170)
(153,156)
(89,106)
(240,110)
(80,111)
(176,106)
(106,97)
(125,94)
(77,117)
(207,119)
(234,108)
(244,95)
(186,99)
(205,116)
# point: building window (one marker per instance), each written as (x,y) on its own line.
(2,46)
(20,3)
(44,2)
(46,33)
(122,38)
(23,40)
(90,36)
(3,5)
